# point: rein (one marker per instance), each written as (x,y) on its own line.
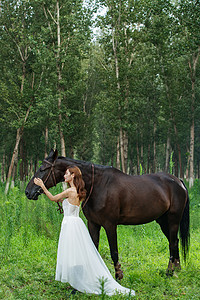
(91,188)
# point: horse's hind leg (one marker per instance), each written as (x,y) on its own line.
(111,232)
(94,230)
(170,229)
(173,243)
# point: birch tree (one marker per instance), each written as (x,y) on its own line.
(16,24)
(68,26)
(188,13)
(120,25)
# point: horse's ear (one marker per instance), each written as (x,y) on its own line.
(51,153)
(55,155)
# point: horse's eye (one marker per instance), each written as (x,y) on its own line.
(41,168)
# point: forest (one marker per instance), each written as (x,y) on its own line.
(109,81)
(113,82)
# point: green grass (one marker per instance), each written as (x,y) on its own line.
(28,246)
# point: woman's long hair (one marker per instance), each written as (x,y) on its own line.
(78,182)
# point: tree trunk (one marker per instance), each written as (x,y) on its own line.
(59,69)
(187,166)
(191,176)
(25,161)
(125,142)
(118,155)
(142,158)
(175,165)
(123,145)
(14,156)
(46,141)
(193,76)
(122,150)
(15,152)
(71,151)
(3,169)
(121,133)
(62,139)
(35,164)
(23,51)
(21,166)
(148,158)
(154,148)
(174,122)
(31,168)
(131,166)
(138,159)
(167,155)
(13,173)
(142,154)
(177,143)
(180,160)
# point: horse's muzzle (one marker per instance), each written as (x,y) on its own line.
(32,197)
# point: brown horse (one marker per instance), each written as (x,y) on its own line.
(117,198)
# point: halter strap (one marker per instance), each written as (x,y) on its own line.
(91,188)
(52,165)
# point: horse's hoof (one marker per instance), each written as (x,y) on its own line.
(119,275)
(177,265)
(169,273)
(118,271)
(170,268)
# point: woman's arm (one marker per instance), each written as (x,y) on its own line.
(57,197)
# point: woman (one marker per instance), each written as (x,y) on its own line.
(78,261)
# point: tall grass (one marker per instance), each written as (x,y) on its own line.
(171,163)
(20,216)
(28,246)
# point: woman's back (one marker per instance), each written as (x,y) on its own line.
(70,210)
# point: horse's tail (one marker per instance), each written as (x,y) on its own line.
(185,227)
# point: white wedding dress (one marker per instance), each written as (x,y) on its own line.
(78,261)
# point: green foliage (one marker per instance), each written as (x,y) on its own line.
(102,285)
(28,246)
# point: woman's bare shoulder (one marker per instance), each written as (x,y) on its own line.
(72,191)
(73,196)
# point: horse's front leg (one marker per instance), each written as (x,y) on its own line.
(94,230)
(111,231)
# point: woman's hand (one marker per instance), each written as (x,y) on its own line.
(39,182)
(58,197)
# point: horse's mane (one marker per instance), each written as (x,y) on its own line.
(84,162)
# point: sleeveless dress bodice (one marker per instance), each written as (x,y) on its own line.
(78,261)
(70,210)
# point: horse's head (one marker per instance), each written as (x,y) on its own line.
(49,172)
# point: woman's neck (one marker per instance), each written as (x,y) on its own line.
(71,184)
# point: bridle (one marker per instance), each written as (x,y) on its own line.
(51,171)
(52,165)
